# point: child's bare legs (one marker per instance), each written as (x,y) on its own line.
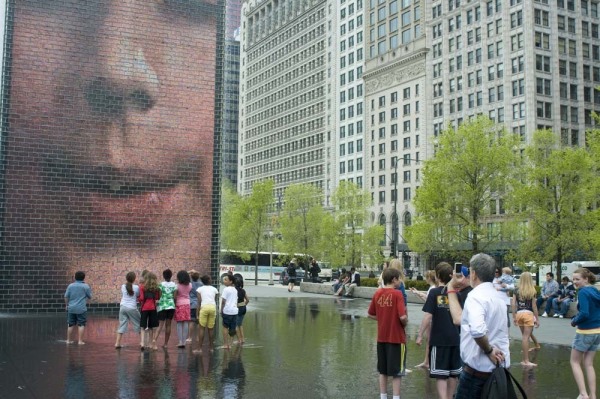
(161,324)
(200,339)
(69,334)
(396,381)
(142,338)
(588,364)
(536,344)
(240,333)
(576,358)
(526,333)
(191,327)
(226,344)
(80,330)
(383,384)
(446,387)
(118,343)
(151,338)
(211,339)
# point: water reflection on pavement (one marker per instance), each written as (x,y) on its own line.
(297,347)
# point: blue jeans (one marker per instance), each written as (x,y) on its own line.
(469,386)
(561,307)
(548,307)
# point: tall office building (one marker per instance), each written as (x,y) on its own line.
(347,128)
(283,92)
(230,121)
(527,64)
(396,113)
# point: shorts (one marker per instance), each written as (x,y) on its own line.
(77,318)
(194,313)
(240,316)
(208,315)
(586,342)
(149,319)
(292,280)
(126,316)
(444,362)
(391,359)
(229,322)
(525,319)
(166,314)
(182,313)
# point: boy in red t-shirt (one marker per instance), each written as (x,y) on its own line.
(387,307)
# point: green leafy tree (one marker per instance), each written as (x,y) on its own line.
(472,169)
(301,220)
(347,239)
(554,195)
(248,221)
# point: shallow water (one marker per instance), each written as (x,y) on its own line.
(296,348)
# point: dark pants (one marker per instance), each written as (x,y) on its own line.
(469,386)
(541,300)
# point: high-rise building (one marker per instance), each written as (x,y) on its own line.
(396,113)
(230,121)
(283,91)
(347,113)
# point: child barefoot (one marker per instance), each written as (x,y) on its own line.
(182,306)
(166,306)
(242,302)
(149,295)
(207,305)
(525,313)
(128,312)
(76,297)
(229,310)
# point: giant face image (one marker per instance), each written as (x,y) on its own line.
(110,139)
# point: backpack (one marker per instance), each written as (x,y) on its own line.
(500,385)
(291,270)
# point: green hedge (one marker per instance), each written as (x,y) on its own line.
(418,284)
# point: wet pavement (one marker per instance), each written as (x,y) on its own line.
(298,346)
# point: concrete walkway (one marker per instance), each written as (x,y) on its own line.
(551,331)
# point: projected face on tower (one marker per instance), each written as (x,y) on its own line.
(111,137)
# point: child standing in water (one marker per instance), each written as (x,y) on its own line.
(525,313)
(242,301)
(166,306)
(149,295)
(194,307)
(128,312)
(229,310)
(207,305)
(76,297)
(587,335)
(182,306)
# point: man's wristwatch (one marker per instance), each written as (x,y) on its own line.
(487,352)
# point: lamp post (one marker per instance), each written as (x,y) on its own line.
(395,215)
(271,260)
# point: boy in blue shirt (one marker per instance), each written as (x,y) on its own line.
(76,297)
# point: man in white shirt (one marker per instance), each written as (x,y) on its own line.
(484,330)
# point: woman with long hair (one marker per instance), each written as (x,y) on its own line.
(525,313)
(587,336)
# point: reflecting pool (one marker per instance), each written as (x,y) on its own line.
(296,348)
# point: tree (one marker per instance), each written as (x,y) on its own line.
(471,170)
(301,220)
(247,220)
(554,195)
(347,239)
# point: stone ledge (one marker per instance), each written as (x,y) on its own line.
(359,292)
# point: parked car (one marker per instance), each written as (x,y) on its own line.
(284,278)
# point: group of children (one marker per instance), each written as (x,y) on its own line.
(190,301)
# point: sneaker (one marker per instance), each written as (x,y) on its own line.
(545,314)
(561,316)
(555,315)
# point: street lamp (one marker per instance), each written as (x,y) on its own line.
(271,260)
(395,215)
